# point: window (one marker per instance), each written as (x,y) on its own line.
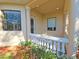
(12,20)
(52,24)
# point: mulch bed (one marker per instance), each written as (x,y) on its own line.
(16,51)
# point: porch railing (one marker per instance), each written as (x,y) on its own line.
(56,44)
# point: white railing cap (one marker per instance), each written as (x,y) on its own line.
(60,39)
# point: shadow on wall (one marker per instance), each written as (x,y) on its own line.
(11,37)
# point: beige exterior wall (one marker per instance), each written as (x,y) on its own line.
(59,25)
(38,19)
(41,23)
(10,37)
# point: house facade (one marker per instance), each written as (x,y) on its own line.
(58,18)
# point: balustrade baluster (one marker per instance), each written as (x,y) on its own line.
(47,44)
(44,42)
(54,47)
(63,47)
(50,45)
(34,39)
(41,42)
(31,38)
(38,39)
(58,48)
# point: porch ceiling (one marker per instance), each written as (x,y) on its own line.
(47,6)
(42,6)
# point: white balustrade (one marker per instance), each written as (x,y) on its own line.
(56,44)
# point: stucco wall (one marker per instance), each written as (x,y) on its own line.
(41,23)
(38,21)
(13,37)
(59,24)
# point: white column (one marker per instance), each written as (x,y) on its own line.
(27,11)
(73,25)
(75,21)
(75,15)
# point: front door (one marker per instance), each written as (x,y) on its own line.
(32,25)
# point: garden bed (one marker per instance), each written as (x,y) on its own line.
(26,50)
